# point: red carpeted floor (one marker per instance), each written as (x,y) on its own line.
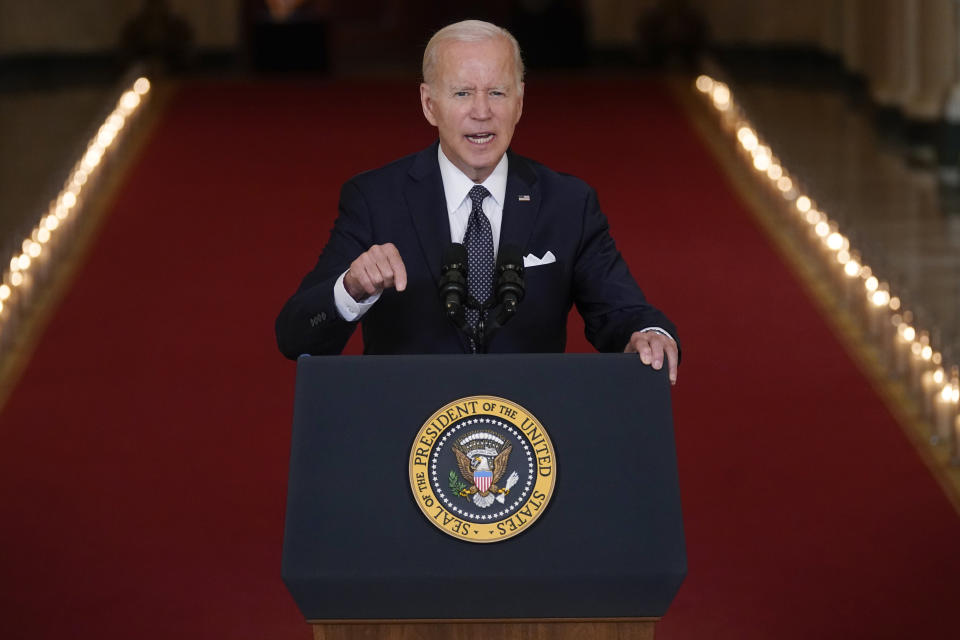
(143,454)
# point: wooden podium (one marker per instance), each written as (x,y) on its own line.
(639,629)
(603,559)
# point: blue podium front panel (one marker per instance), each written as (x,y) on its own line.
(608,544)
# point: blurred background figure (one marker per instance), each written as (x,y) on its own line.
(671,33)
(157,36)
(287,35)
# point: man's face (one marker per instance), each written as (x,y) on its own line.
(474,102)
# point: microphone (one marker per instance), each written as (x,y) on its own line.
(510,287)
(453,282)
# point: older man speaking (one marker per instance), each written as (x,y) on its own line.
(382,265)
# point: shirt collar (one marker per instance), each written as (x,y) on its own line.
(456,185)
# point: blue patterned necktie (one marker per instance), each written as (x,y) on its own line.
(479,243)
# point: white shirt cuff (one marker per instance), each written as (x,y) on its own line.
(655,329)
(349,308)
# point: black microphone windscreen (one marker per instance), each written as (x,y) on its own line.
(455,253)
(509,254)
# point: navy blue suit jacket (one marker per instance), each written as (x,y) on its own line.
(403,203)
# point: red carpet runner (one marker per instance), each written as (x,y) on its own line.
(143,455)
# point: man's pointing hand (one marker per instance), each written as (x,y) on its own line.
(374,270)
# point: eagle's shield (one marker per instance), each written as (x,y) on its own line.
(483,480)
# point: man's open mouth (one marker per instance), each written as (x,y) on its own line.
(479,138)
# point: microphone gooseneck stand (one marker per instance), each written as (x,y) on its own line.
(508,292)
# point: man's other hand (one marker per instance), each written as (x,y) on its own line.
(374,270)
(652,347)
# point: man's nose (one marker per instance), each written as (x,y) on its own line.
(480,108)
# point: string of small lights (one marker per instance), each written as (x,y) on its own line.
(34,255)
(905,348)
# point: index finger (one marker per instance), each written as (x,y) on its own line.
(672,358)
(396,263)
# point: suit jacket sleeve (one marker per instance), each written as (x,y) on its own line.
(309,322)
(605,293)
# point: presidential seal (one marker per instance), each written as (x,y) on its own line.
(482,469)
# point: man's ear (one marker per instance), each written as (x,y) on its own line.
(427,103)
(520,109)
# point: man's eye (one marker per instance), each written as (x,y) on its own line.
(499,94)
(461,94)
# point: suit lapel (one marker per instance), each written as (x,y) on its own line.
(521,203)
(427,207)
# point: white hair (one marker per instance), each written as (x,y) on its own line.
(468,31)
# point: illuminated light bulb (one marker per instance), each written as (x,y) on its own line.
(852,269)
(16,278)
(24,261)
(871,283)
(5,291)
(843,257)
(926,352)
(69,199)
(721,96)
(761,162)
(129,100)
(909,333)
(52,222)
(894,303)
(43,235)
(745,133)
(916,348)
(25,245)
(881,298)
(939,374)
(822,229)
(774,172)
(704,84)
(92,157)
(937,358)
(62,212)
(106,137)
(835,241)
(866,272)
(785,184)
(813,216)
(116,121)
(142,86)
(34,250)
(15,263)
(803,204)
(954,394)
(79,178)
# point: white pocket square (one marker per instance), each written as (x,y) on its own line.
(531,260)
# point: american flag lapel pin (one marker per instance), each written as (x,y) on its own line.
(524,198)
